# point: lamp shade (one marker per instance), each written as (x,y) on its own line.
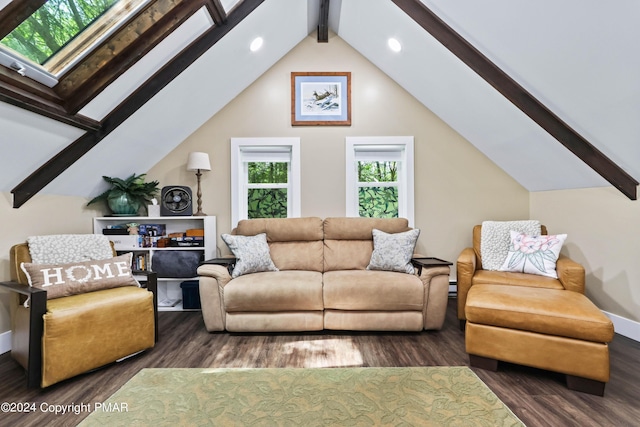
(197,161)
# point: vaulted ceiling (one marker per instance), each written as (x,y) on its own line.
(576,59)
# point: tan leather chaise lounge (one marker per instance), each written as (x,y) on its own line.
(533,320)
(322,282)
(56,339)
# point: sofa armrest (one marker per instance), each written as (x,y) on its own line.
(229,262)
(466,266)
(571,274)
(213,278)
(435,281)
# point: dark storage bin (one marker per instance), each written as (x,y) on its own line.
(190,294)
(179,264)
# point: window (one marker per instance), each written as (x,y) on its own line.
(59,32)
(265,178)
(380,177)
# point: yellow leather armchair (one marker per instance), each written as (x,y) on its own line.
(60,338)
(571,275)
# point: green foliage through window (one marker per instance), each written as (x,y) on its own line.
(267,203)
(54,25)
(268,172)
(378,202)
(386,171)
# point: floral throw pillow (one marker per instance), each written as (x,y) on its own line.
(251,252)
(534,254)
(393,252)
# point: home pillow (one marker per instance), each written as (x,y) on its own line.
(393,252)
(533,254)
(251,252)
(61,280)
(495,239)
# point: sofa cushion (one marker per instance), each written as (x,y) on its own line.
(62,280)
(283,229)
(274,291)
(486,277)
(295,243)
(251,252)
(393,252)
(372,290)
(348,242)
(534,254)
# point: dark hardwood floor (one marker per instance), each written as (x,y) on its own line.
(538,398)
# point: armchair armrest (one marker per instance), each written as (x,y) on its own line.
(571,274)
(37,309)
(466,266)
(151,286)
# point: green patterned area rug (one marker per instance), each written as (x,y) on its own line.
(430,396)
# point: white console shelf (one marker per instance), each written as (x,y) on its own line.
(168,288)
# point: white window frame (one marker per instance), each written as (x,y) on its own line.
(381,148)
(244,150)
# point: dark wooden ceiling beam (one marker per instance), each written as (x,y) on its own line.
(54,167)
(217,12)
(323,22)
(119,53)
(520,97)
(44,106)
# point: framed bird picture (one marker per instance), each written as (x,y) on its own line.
(321,99)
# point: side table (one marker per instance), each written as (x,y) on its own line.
(426,262)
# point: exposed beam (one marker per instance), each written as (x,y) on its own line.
(520,97)
(323,22)
(69,155)
(43,106)
(217,12)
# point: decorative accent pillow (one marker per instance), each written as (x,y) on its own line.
(251,252)
(61,280)
(66,248)
(495,240)
(534,254)
(393,252)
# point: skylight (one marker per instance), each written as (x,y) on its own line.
(61,32)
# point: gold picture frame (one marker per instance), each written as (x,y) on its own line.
(321,99)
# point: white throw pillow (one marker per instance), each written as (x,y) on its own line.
(534,254)
(495,239)
(393,252)
(251,252)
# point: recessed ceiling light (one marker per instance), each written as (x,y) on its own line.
(394,45)
(256,44)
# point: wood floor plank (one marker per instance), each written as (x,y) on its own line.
(537,397)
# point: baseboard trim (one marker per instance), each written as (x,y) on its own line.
(5,342)
(625,327)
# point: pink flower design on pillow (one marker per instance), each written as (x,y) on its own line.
(533,254)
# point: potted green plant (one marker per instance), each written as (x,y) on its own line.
(127,196)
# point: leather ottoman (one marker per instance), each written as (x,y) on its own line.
(552,329)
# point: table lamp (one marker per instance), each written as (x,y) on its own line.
(199,162)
